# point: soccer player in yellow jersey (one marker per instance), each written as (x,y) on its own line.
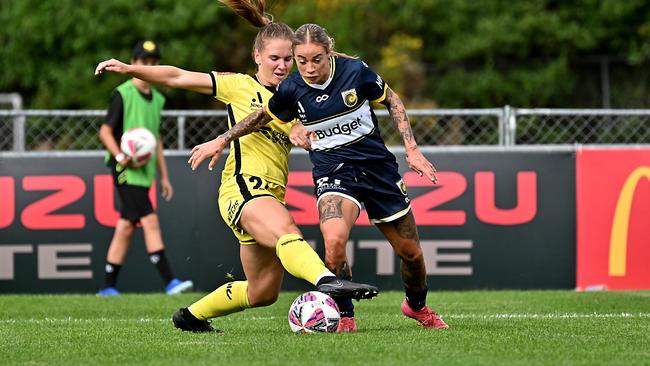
(251,195)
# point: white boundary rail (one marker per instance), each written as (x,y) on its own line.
(546,129)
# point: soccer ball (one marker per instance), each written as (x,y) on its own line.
(314,312)
(139,144)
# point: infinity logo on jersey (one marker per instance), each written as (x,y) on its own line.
(338,129)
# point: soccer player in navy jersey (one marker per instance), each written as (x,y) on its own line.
(331,96)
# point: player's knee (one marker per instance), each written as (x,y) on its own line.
(411,253)
(263,298)
(126,229)
(288,228)
(129,228)
(150,222)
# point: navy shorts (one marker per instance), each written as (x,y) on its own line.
(379,186)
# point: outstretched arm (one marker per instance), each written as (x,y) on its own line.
(249,124)
(215,147)
(414,157)
(170,76)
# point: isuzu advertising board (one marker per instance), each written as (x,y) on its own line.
(494,220)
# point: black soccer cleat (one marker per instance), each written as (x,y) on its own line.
(343,288)
(186,321)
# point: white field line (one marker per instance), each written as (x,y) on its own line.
(549,316)
(447,316)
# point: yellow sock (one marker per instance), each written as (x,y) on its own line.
(227,299)
(299,259)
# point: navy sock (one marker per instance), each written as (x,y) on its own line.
(346,307)
(416,299)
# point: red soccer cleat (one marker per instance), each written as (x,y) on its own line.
(425,316)
(347,325)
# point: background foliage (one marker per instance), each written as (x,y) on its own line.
(460,53)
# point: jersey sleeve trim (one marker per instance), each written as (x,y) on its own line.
(274,117)
(214,84)
(383,96)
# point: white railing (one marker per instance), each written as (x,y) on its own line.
(65,130)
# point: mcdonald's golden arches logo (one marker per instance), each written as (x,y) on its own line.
(621,222)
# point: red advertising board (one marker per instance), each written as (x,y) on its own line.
(613,219)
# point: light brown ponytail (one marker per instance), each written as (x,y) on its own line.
(254,12)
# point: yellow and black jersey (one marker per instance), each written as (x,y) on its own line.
(263,153)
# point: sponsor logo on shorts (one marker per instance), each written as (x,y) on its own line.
(232,209)
(402,188)
(325,184)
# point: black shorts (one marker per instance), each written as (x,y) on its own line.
(379,186)
(135,202)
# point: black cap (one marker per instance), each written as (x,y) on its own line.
(146,48)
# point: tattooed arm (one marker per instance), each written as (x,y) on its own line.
(215,147)
(398,114)
(414,157)
(249,124)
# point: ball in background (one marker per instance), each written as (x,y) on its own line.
(139,144)
(314,312)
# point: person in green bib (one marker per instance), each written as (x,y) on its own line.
(135,103)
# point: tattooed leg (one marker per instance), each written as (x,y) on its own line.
(337,216)
(403,236)
(330,207)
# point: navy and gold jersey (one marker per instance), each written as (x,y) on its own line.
(263,153)
(343,126)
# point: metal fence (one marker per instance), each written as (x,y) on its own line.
(38,130)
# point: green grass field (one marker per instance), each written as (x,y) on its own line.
(487,328)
